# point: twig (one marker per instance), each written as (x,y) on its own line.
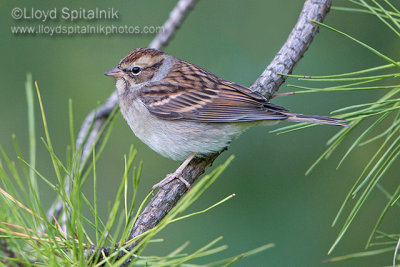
(294,48)
(283,94)
(268,83)
(176,17)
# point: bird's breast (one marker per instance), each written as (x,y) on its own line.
(177,139)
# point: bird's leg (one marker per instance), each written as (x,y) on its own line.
(176,174)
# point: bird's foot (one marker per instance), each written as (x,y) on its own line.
(169,178)
(176,174)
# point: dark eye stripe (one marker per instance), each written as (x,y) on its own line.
(155,65)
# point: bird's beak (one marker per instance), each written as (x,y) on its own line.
(114,72)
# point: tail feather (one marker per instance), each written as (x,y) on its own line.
(316,119)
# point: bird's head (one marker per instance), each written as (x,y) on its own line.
(138,67)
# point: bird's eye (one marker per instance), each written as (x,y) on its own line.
(136,70)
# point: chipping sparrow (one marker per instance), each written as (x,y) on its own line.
(181,111)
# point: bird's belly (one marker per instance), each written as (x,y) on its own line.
(178,139)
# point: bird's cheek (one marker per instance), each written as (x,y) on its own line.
(144,76)
(137,79)
(133,79)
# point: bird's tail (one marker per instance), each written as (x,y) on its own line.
(316,119)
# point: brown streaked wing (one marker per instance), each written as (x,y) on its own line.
(202,96)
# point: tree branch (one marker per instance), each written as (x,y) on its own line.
(293,49)
(268,83)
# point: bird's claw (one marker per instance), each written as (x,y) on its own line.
(169,178)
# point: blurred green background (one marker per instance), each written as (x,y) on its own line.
(274,201)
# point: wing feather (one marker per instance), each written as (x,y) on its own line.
(192,93)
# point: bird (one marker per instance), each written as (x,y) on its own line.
(183,111)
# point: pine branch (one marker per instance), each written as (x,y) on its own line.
(268,83)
